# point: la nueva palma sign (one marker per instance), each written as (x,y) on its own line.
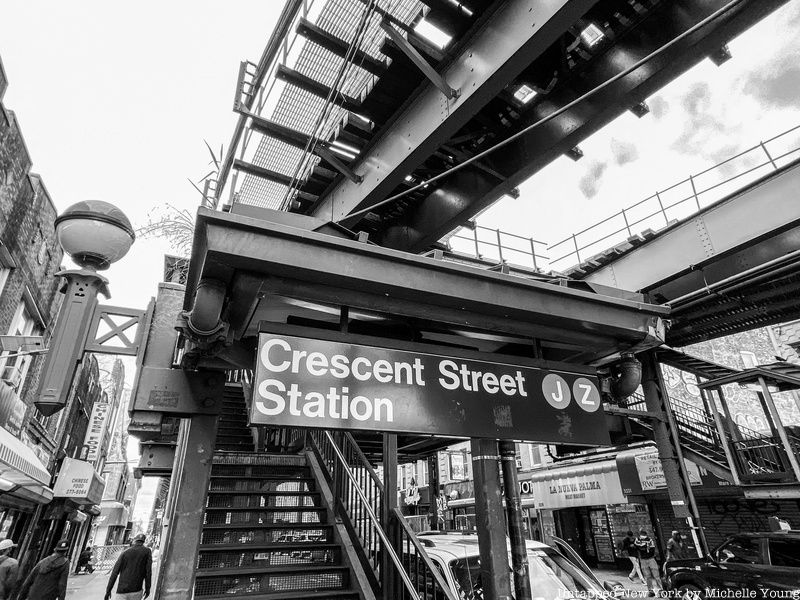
(326,383)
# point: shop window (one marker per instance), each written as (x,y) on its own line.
(741,551)
(785,553)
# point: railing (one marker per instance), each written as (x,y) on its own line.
(761,457)
(505,248)
(695,426)
(104,557)
(675,202)
(239,376)
(359,501)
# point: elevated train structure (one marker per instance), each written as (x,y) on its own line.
(368,132)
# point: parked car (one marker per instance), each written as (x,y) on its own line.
(554,575)
(755,565)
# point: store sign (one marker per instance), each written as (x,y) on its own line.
(573,488)
(95,433)
(304,382)
(78,481)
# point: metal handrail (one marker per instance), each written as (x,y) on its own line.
(375,522)
(420,550)
(501,250)
(630,224)
(364,462)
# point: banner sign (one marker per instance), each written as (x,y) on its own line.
(577,487)
(95,433)
(641,472)
(302,382)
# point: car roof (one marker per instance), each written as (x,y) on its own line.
(458,545)
(793,534)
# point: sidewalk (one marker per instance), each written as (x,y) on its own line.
(620,577)
(87,587)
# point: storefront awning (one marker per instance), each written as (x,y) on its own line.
(79,482)
(112,514)
(22,474)
(572,486)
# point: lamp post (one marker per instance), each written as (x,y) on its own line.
(95,234)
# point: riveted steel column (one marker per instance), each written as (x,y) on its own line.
(490,520)
(193,460)
(516,529)
(390,583)
(667,438)
(433,492)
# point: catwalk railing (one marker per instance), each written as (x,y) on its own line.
(359,496)
(679,200)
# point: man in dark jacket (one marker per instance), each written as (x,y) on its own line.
(646,548)
(133,568)
(48,580)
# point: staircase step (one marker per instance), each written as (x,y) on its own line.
(260,516)
(263,500)
(300,595)
(259,484)
(215,535)
(275,555)
(283,579)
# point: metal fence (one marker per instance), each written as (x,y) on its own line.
(104,557)
(506,248)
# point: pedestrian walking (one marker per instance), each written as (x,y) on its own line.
(646,549)
(9,570)
(133,567)
(48,580)
(628,550)
(85,561)
(676,547)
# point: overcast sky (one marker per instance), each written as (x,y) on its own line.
(115,104)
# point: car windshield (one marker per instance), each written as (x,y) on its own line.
(552,577)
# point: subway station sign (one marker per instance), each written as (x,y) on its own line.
(303,382)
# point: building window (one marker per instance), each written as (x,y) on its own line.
(535,454)
(748,359)
(458,466)
(4,273)
(14,365)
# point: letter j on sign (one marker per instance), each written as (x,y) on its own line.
(303,382)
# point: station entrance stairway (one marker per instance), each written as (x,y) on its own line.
(303,522)
(267,532)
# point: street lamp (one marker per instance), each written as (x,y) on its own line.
(95,234)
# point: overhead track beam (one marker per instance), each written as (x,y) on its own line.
(515,34)
(517,161)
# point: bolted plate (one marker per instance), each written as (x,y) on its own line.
(179,392)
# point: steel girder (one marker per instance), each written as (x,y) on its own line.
(467,192)
(280,261)
(510,38)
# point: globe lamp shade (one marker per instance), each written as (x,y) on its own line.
(94,233)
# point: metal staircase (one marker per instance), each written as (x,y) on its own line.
(267,532)
(759,457)
(306,521)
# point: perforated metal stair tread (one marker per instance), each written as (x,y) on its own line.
(299,595)
(280,569)
(274,546)
(266,508)
(287,478)
(275,494)
(267,526)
